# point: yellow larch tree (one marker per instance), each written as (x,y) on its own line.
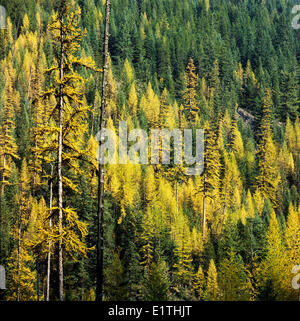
(198,284)
(210,185)
(182,237)
(150,105)
(22,277)
(273,268)
(8,146)
(236,141)
(147,238)
(133,100)
(212,288)
(190,92)
(65,143)
(268,177)
(290,135)
(231,188)
(292,241)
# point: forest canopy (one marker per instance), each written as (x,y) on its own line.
(228,67)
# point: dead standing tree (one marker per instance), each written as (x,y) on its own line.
(100,212)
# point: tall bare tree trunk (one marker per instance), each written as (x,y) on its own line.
(177,195)
(19,255)
(3,176)
(100,212)
(224,211)
(59,167)
(204,211)
(49,247)
(204,218)
(94,104)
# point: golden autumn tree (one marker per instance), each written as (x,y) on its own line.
(190,92)
(21,263)
(198,284)
(236,141)
(292,241)
(163,108)
(133,100)
(147,238)
(231,187)
(212,287)
(273,269)
(150,104)
(268,177)
(233,278)
(8,147)
(111,109)
(183,251)
(40,108)
(210,185)
(65,143)
(290,135)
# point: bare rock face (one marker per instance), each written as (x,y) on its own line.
(247,117)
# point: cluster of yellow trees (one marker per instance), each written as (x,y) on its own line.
(61,140)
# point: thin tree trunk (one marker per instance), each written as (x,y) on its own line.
(37,280)
(100,212)
(177,195)
(204,211)
(49,247)
(37,72)
(224,211)
(204,218)
(59,171)
(19,254)
(94,107)
(3,176)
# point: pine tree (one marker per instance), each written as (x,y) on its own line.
(150,186)
(22,277)
(190,92)
(183,251)
(115,286)
(289,96)
(236,141)
(233,279)
(150,105)
(211,176)
(8,147)
(163,109)
(231,186)
(290,135)
(292,241)
(133,100)
(274,266)
(147,238)
(268,178)
(198,284)
(212,288)
(157,282)
(214,90)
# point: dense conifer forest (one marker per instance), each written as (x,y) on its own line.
(228,67)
